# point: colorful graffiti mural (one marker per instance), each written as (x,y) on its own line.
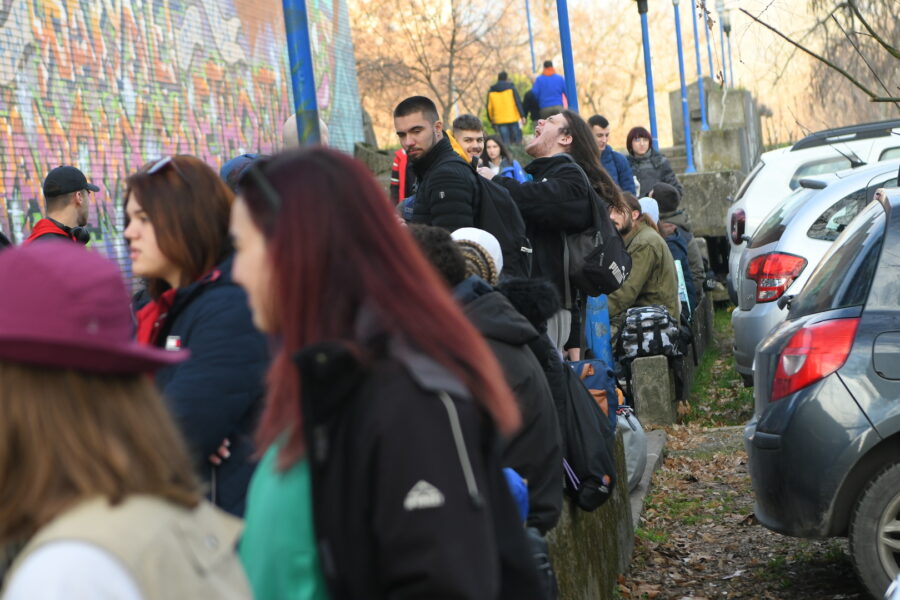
(108,85)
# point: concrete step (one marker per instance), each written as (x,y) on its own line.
(673,151)
(656,443)
(679,164)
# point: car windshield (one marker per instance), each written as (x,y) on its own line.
(777,220)
(845,274)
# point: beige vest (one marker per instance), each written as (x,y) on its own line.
(170,551)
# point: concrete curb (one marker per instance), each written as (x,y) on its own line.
(656,443)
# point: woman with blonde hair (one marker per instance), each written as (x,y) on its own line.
(97,490)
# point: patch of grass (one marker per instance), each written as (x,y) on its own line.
(718,396)
(657,536)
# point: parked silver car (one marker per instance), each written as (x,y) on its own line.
(789,245)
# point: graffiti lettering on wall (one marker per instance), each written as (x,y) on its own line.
(108,85)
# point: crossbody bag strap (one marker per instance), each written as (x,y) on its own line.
(595,223)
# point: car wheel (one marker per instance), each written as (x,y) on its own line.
(875,531)
(747,379)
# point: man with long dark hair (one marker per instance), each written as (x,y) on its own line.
(558,201)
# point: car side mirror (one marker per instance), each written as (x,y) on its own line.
(785,302)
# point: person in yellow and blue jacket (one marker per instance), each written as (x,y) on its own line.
(504,109)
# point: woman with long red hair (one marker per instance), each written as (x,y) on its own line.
(380,475)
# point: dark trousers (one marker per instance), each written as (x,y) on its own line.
(510,133)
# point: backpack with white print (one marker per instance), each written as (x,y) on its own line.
(648,331)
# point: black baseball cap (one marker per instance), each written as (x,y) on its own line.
(65,180)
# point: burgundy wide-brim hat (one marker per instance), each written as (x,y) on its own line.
(67,307)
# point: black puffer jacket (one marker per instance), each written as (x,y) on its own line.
(651,168)
(446,194)
(408,497)
(557,201)
(535,452)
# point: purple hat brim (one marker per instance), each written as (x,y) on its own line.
(121,358)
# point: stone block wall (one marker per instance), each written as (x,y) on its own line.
(590,550)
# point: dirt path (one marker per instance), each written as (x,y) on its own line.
(698,538)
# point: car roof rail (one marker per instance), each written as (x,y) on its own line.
(847,134)
(813,184)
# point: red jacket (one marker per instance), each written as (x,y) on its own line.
(46,227)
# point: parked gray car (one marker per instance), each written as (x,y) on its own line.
(824,443)
(788,246)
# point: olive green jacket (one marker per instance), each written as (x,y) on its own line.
(652,279)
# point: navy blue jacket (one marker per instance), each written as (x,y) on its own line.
(678,246)
(618,168)
(218,392)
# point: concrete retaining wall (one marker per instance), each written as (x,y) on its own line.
(590,550)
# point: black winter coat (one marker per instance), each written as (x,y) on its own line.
(651,168)
(446,194)
(557,201)
(409,500)
(538,301)
(535,452)
(218,392)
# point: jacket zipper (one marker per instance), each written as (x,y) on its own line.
(462,453)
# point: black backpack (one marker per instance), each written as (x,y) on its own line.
(596,259)
(498,214)
(588,446)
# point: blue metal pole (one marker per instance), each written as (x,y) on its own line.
(685,112)
(704,125)
(712,71)
(303,81)
(565,41)
(648,71)
(722,41)
(530,36)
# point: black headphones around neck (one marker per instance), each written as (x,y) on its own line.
(80,234)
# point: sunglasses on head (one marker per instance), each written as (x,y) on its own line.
(254,171)
(164,162)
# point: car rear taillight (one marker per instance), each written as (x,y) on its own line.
(774,273)
(738,226)
(813,353)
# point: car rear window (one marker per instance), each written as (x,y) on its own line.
(889,153)
(819,167)
(744,186)
(832,222)
(777,220)
(845,274)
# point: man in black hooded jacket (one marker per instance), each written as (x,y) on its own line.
(535,452)
(446,193)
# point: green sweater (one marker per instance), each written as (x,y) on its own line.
(279,546)
(652,279)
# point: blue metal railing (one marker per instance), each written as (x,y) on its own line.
(685,111)
(303,83)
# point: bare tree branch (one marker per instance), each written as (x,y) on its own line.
(862,56)
(893,51)
(872,96)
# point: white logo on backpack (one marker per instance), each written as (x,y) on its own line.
(423,495)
